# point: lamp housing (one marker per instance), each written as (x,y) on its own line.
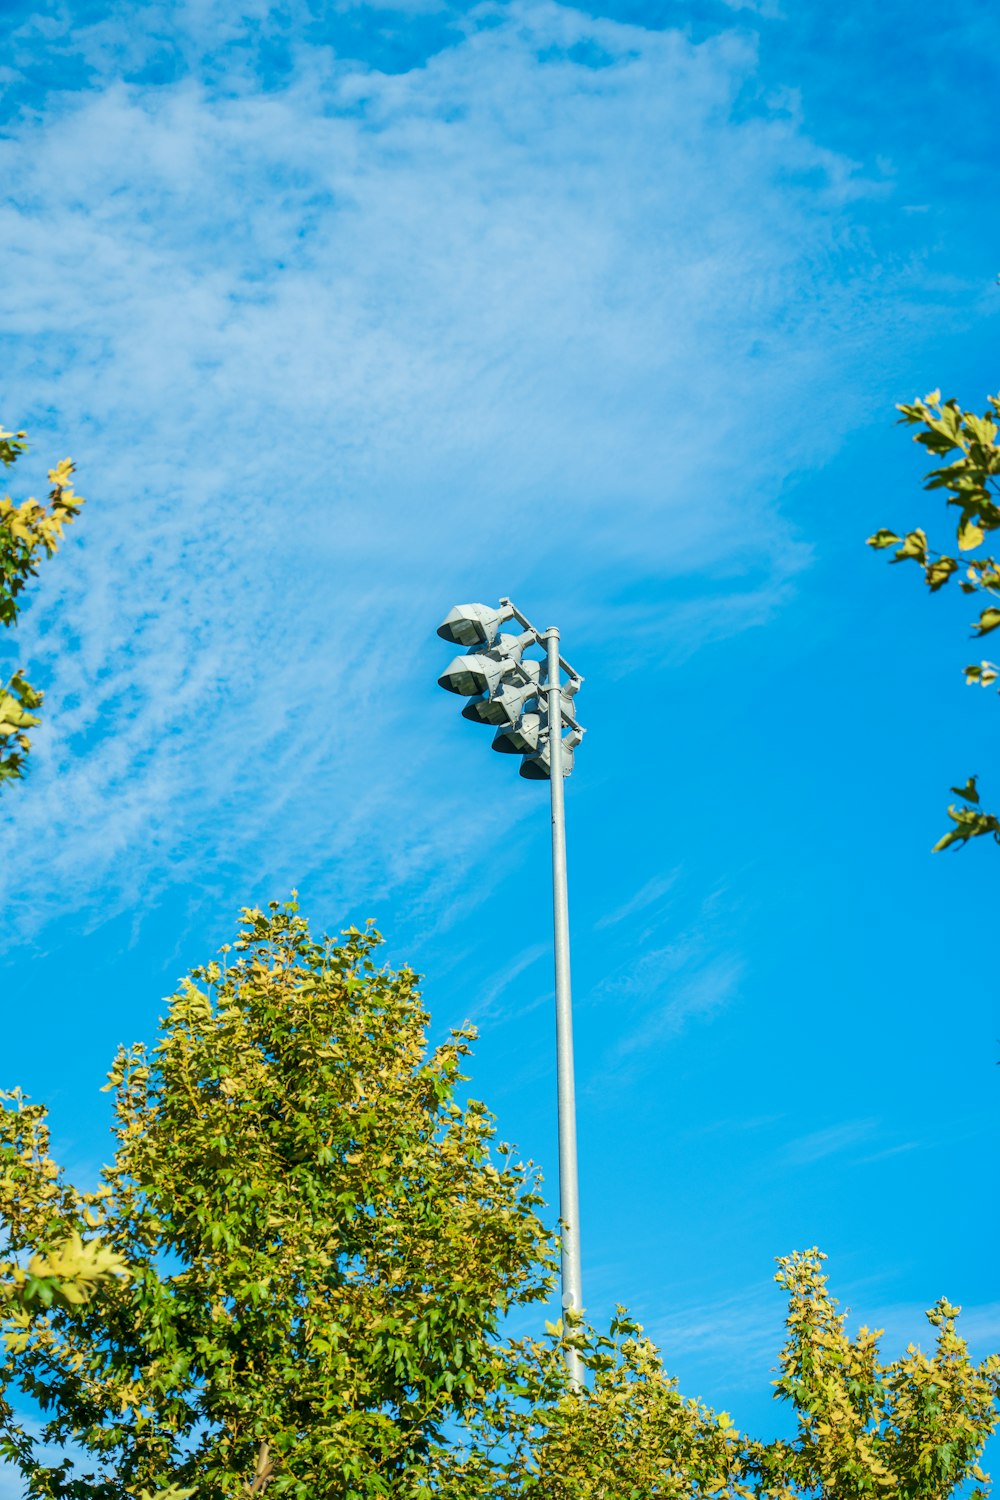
(483,671)
(521,738)
(473,624)
(509,699)
(538,767)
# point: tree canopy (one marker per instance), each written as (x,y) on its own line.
(319,1242)
(912,1427)
(297,1271)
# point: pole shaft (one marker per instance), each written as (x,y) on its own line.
(569,1190)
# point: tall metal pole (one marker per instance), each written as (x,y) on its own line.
(569,1190)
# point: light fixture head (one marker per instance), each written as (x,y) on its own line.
(475,709)
(510,699)
(483,671)
(538,767)
(520,738)
(473,624)
(469,675)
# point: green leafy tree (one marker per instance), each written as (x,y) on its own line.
(971,480)
(28,532)
(319,1242)
(294,1276)
(914,1427)
(631,1433)
(627,1435)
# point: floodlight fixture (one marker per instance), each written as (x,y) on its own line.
(532,705)
(473,675)
(473,624)
(510,699)
(536,764)
(475,709)
(482,671)
(520,738)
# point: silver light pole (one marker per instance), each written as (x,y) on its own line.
(569,1185)
(509,686)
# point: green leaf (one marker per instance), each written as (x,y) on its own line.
(969,535)
(938,572)
(969,825)
(882,538)
(984,672)
(914,545)
(988,620)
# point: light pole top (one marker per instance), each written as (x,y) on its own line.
(504,685)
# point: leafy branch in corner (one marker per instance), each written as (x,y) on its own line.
(27,532)
(972,483)
(969,822)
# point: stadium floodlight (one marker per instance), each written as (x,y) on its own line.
(537,762)
(469,675)
(509,700)
(482,671)
(514,697)
(528,699)
(520,738)
(473,624)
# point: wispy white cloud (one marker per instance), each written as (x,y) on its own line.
(741,1334)
(696,997)
(767,8)
(659,988)
(869,1141)
(900,1149)
(497,1000)
(833,1140)
(326,352)
(734,1123)
(648,895)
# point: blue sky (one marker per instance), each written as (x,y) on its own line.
(350,314)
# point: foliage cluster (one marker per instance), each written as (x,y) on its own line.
(971,481)
(295,1276)
(913,1427)
(319,1244)
(27,532)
